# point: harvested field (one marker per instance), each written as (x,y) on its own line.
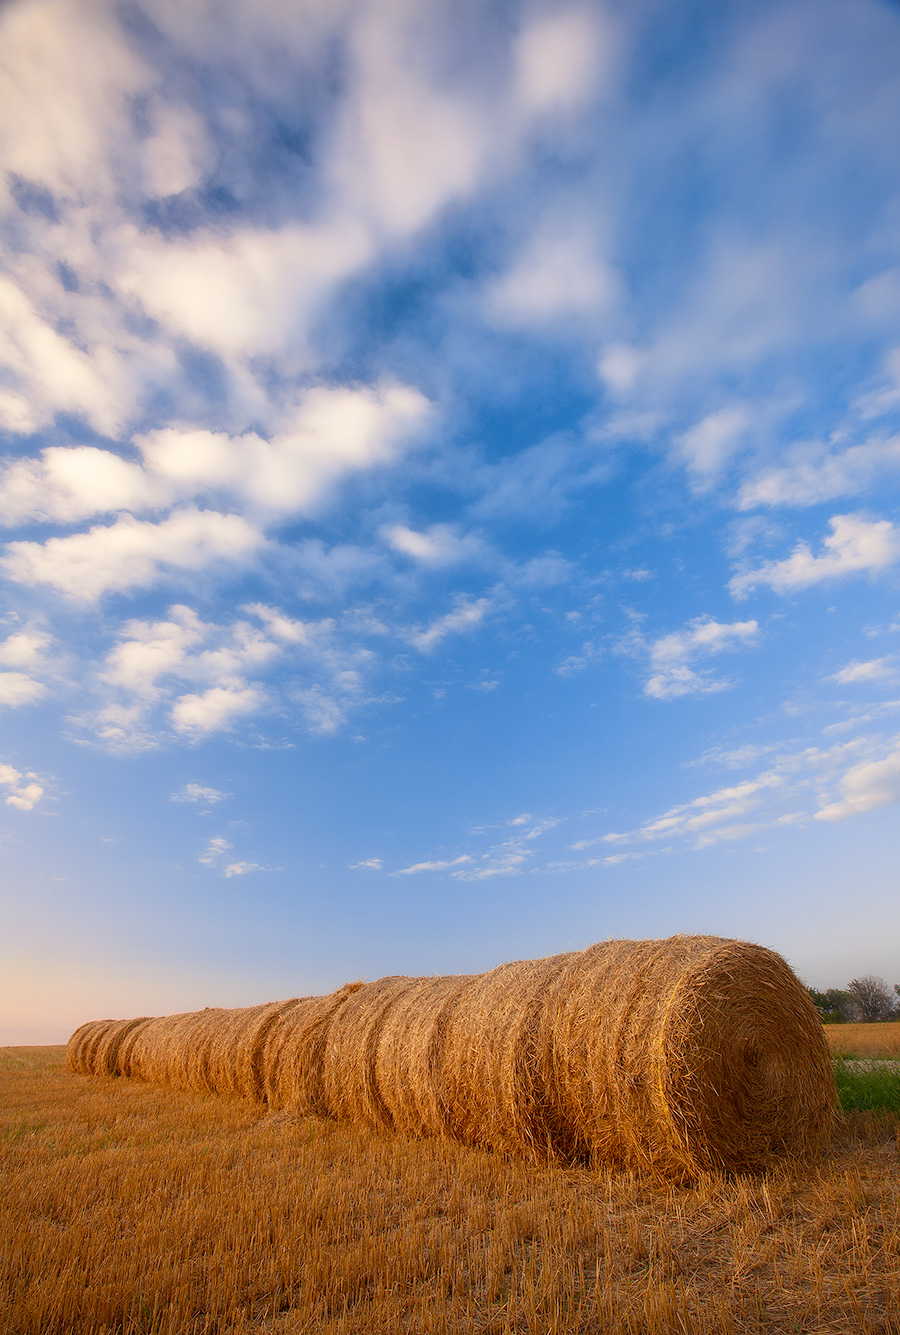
(135,1209)
(680,1055)
(864,1040)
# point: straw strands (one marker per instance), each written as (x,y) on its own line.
(682,1055)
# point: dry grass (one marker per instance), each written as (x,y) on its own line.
(134,1209)
(865,1041)
(679,1055)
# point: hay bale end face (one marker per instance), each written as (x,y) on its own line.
(680,1055)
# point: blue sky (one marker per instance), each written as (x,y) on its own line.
(450,489)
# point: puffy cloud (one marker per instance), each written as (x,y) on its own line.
(440,545)
(241,868)
(17,688)
(131,553)
(24,648)
(671,656)
(332,432)
(367,864)
(195,792)
(22,795)
(245,294)
(855,545)
(69,483)
(216,709)
(233,671)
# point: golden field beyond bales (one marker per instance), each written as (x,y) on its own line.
(138,1210)
(864,1041)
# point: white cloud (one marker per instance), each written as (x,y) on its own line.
(215,710)
(195,792)
(854,546)
(333,432)
(146,672)
(559,274)
(440,545)
(866,787)
(17,688)
(509,857)
(24,648)
(886,396)
(467,614)
(23,795)
(876,669)
(711,442)
(817,475)
(406,147)
(215,854)
(69,483)
(65,76)
(561,59)
(670,656)
(132,553)
(619,368)
(367,864)
(54,374)
(178,151)
(699,817)
(813,783)
(215,850)
(439,865)
(245,294)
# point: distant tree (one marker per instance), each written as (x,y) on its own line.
(834,1006)
(873,997)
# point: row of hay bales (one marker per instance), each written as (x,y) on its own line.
(682,1054)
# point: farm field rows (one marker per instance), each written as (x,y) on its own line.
(140,1210)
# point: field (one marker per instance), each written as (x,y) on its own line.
(140,1210)
(865,1041)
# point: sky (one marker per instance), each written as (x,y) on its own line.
(450,461)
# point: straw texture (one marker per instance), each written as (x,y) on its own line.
(681,1055)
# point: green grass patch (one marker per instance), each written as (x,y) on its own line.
(867,1087)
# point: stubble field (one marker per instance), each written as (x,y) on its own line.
(130,1208)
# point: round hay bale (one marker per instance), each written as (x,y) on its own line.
(682,1055)
(293,1052)
(78,1046)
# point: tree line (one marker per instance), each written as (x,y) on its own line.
(863,1000)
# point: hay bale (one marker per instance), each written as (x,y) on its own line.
(293,1054)
(682,1055)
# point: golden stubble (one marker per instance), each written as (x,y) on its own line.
(130,1208)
